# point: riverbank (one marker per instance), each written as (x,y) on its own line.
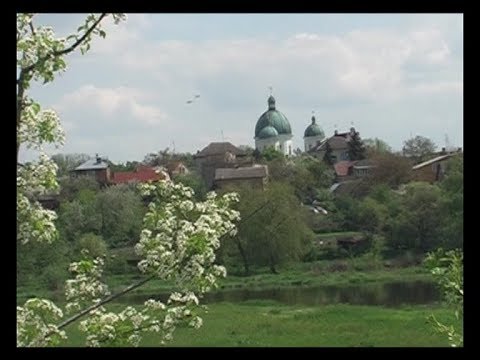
(308,274)
(270,324)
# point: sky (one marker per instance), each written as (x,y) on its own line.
(391,76)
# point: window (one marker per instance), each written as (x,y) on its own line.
(290,149)
(309,146)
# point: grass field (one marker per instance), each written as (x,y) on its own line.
(269,324)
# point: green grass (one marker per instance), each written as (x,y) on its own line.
(268,324)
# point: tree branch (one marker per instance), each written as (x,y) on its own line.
(104,301)
(30,23)
(69,49)
(20,96)
(131,287)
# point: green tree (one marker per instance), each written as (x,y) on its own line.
(270,154)
(194,228)
(119,214)
(70,187)
(447,268)
(418,148)
(328,157)
(95,245)
(278,231)
(194,181)
(419,223)
(128,166)
(356,148)
(390,169)
(67,162)
(376,146)
(452,206)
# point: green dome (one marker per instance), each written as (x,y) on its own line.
(273,118)
(313,130)
(267,132)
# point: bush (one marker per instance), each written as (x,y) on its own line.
(54,277)
(95,245)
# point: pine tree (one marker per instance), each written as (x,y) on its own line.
(328,154)
(356,148)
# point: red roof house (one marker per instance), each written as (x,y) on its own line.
(141,174)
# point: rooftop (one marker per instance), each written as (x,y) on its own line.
(93,164)
(258,171)
(141,174)
(432,161)
(219,148)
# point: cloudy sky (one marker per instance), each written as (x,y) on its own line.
(391,76)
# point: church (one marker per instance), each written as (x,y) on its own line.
(273,130)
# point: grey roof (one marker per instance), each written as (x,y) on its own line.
(92,164)
(432,161)
(335,142)
(219,148)
(259,171)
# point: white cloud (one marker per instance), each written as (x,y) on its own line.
(112,101)
(388,81)
(363,64)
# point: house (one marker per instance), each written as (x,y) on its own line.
(141,174)
(218,155)
(338,144)
(97,168)
(255,176)
(176,168)
(362,168)
(349,170)
(344,170)
(434,169)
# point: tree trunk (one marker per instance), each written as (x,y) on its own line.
(272,266)
(244,257)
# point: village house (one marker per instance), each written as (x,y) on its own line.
(338,144)
(219,155)
(176,168)
(96,168)
(434,169)
(255,176)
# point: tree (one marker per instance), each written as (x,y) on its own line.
(419,223)
(328,157)
(390,169)
(418,148)
(376,146)
(128,166)
(68,162)
(277,232)
(270,153)
(179,238)
(194,181)
(447,268)
(119,214)
(356,148)
(452,206)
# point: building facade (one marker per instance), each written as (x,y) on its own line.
(313,135)
(273,130)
